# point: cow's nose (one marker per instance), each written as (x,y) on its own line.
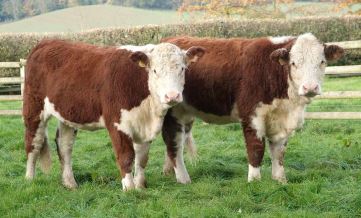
(311,89)
(173,97)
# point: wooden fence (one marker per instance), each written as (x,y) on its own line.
(341,71)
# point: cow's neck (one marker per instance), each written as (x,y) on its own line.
(144,122)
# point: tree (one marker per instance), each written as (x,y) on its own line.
(348,5)
(228,8)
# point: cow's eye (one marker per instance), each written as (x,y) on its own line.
(323,62)
(293,64)
(154,71)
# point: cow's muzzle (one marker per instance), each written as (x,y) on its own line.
(173,97)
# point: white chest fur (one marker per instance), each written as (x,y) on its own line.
(142,123)
(280,119)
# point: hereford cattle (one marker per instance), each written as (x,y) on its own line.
(263,83)
(89,87)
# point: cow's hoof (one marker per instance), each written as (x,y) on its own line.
(29,177)
(168,168)
(168,171)
(252,179)
(140,183)
(184,179)
(70,185)
(128,184)
(281,179)
(254,173)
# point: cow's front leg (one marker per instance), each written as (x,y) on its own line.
(255,151)
(141,159)
(123,148)
(277,150)
(174,135)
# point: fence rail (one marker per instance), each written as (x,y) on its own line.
(347,44)
(339,71)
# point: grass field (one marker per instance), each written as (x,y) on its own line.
(323,165)
(82,18)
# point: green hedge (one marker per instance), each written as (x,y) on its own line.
(16,46)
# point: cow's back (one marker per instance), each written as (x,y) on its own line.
(77,78)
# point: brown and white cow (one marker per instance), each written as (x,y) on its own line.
(263,83)
(89,87)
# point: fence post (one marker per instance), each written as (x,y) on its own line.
(22,75)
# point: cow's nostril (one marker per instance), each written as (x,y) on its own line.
(304,88)
(172,96)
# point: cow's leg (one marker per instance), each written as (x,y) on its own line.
(65,141)
(277,150)
(141,159)
(36,144)
(174,135)
(124,151)
(255,151)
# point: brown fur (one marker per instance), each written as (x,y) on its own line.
(84,82)
(234,71)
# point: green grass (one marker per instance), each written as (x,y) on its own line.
(323,166)
(82,18)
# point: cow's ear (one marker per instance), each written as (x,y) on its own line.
(281,56)
(140,58)
(194,53)
(333,52)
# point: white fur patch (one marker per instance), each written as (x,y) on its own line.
(127,182)
(306,57)
(144,122)
(49,110)
(280,39)
(278,120)
(166,70)
(253,173)
(145,48)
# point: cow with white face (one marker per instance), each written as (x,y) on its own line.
(126,91)
(307,59)
(262,83)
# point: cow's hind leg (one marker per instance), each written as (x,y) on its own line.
(65,140)
(174,135)
(277,150)
(255,151)
(36,144)
(141,159)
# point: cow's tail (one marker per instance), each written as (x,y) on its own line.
(45,157)
(191,147)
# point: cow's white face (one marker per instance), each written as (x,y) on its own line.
(307,61)
(166,64)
